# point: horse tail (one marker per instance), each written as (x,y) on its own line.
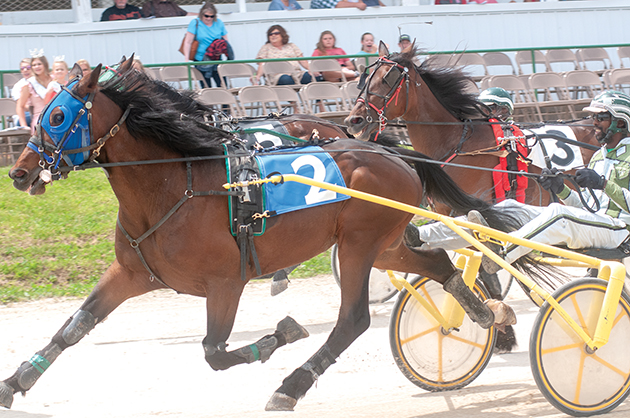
(438,185)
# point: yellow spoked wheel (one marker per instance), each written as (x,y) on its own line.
(428,355)
(574,379)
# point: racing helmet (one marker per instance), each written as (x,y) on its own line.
(499,99)
(617,104)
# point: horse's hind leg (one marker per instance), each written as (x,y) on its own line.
(222,304)
(115,287)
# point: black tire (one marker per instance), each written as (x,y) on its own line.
(428,357)
(381,288)
(573,380)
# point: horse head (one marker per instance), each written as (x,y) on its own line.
(65,133)
(384,93)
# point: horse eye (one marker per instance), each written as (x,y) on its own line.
(57,119)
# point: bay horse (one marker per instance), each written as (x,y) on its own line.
(167,169)
(441,116)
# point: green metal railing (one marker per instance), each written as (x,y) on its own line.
(364,56)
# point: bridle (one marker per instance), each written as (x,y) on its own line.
(395,78)
(70,130)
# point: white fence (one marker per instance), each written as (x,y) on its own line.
(471,27)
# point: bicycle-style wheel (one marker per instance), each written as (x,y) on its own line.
(426,354)
(381,288)
(575,380)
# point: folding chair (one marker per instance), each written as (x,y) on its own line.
(597,58)
(179,75)
(582,86)
(623,52)
(351,92)
(551,97)
(256,99)
(12,139)
(565,59)
(9,80)
(219,97)
(273,68)
(325,95)
(619,79)
(289,96)
(153,72)
(320,66)
(498,61)
(230,72)
(526,64)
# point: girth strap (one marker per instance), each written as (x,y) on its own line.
(188,194)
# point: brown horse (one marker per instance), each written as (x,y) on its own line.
(167,167)
(441,117)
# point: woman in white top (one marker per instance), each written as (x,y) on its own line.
(278,46)
(16,91)
(35,91)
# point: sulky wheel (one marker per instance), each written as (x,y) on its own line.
(381,287)
(427,355)
(572,378)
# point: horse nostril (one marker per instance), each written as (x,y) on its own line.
(356,120)
(18,173)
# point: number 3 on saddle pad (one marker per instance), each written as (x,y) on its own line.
(311,162)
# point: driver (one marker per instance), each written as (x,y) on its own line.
(608,174)
(499,103)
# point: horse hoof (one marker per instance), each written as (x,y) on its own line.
(280,402)
(279,286)
(291,330)
(6,395)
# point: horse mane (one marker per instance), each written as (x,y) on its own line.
(448,85)
(160,113)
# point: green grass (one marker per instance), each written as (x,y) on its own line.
(59,243)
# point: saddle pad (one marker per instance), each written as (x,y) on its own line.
(312,162)
(563,156)
(264,139)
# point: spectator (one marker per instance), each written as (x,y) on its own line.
(326,47)
(60,70)
(137,65)
(121,11)
(16,91)
(373,3)
(284,5)
(450,1)
(336,4)
(206,29)
(163,8)
(367,44)
(34,92)
(85,67)
(404,42)
(278,46)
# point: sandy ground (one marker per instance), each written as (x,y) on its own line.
(146,360)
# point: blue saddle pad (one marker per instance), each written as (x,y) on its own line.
(312,162)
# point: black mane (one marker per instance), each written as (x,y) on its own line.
(161,113)
(448,85)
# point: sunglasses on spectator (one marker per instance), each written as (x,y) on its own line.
(275,33)
(601,117)
(209,16)
(28,67)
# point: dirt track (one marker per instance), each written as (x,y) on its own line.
(146,360)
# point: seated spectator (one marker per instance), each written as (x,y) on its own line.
(284,5)
(326,47)
(367,44)
(278,46)
(163,8)
(209,31)
(121,11)
(404,42)
(450,1)
(25,70)
(85,67)
(59,75)
(336,4)
(373,3)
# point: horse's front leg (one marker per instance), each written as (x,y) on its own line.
(116,285)
(221,307)
(353,320)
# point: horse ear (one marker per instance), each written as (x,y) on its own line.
(76,72)
(383,51)
(126,65)
(409,49)
(93,77)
